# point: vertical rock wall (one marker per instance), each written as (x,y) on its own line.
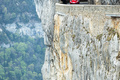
(74,51)
(90,40)
(46,10)
(88,57)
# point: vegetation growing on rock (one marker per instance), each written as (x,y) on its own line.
(99,37)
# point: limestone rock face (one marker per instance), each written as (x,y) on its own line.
(81,45)
(31,29)
(91,57)
(111,2)
(46,10)
(104,2)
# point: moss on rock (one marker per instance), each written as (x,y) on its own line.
(99,37)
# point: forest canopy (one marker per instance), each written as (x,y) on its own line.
(21,56)
(23,59)
(17,10)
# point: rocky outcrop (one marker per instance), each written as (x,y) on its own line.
(89,39)
(110,2)
(46,11)
(32,28)
(104,2)
(82,42)
(91,57)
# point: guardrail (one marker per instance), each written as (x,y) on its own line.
(75,9)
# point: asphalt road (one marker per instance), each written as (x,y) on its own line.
(81,3)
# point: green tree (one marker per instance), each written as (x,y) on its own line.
(34,58)
(10,65)
(38,48)
(4,9)
(22,60)
(35,74)
(12,75)
(23,66)
(13,15)
(31,67)
(21,47)
(13,54)
(2,73)
(18,73)
(1,57)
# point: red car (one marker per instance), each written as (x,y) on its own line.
(74,1)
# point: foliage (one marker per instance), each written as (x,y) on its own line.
(12,10)
(99,37)
(23,59)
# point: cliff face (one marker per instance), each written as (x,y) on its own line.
(31,28)
(46,10)
(82,42)
(86,42)
(111,2)
(105,2)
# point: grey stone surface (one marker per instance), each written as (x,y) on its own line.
(32,28)
(82,43)
(46,10)
(104,2)
(92,59)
